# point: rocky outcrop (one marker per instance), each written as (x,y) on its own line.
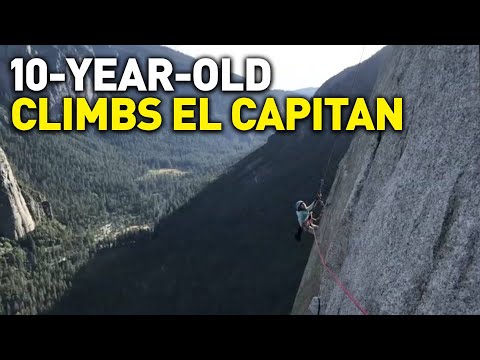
(15,218)
(39,208)
(47,209)
(33,206)
(402,225)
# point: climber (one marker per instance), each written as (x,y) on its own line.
(305,216)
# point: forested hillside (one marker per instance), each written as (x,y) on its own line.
(98,185)
(93,178)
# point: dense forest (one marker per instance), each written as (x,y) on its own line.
(92,179)
(99,186)
(96,187)
(36,271)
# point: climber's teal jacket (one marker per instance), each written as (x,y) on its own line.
(302,216)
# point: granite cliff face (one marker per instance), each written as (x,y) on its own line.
(15,218)
(402,222)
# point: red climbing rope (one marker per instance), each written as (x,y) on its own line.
(338,281)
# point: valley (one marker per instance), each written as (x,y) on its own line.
(99,187)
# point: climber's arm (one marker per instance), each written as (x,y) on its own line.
(312,206)
(317,201)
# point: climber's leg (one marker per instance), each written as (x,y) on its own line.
(316,221)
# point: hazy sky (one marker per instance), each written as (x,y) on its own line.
(294,66)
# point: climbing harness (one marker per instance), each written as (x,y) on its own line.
(315,303)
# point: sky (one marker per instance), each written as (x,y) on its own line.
(294,66)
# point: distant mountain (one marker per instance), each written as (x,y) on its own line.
(231,249)
(306,92)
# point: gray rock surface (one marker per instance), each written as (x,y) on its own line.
(402,224)
(39,208)
(15,218)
